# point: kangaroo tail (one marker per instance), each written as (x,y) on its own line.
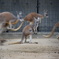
(20,42)
(14,43)
(52,32)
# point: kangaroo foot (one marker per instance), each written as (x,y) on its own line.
(26,41)
(33,42)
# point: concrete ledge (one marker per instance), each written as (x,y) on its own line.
(38,33)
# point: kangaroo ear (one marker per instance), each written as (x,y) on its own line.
(46,13)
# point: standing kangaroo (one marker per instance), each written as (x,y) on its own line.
(28,30)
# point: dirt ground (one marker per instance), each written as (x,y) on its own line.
(47,48)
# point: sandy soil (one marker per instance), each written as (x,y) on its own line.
(47,48)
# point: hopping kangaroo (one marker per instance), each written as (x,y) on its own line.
(52,32)
(7,19)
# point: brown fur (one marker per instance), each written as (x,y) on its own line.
(30,16)
(28,30)
(5,18)
(52,32)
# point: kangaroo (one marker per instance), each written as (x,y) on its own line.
(28,30)
(52,32)
(7,19)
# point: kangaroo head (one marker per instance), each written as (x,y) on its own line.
(46,13)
